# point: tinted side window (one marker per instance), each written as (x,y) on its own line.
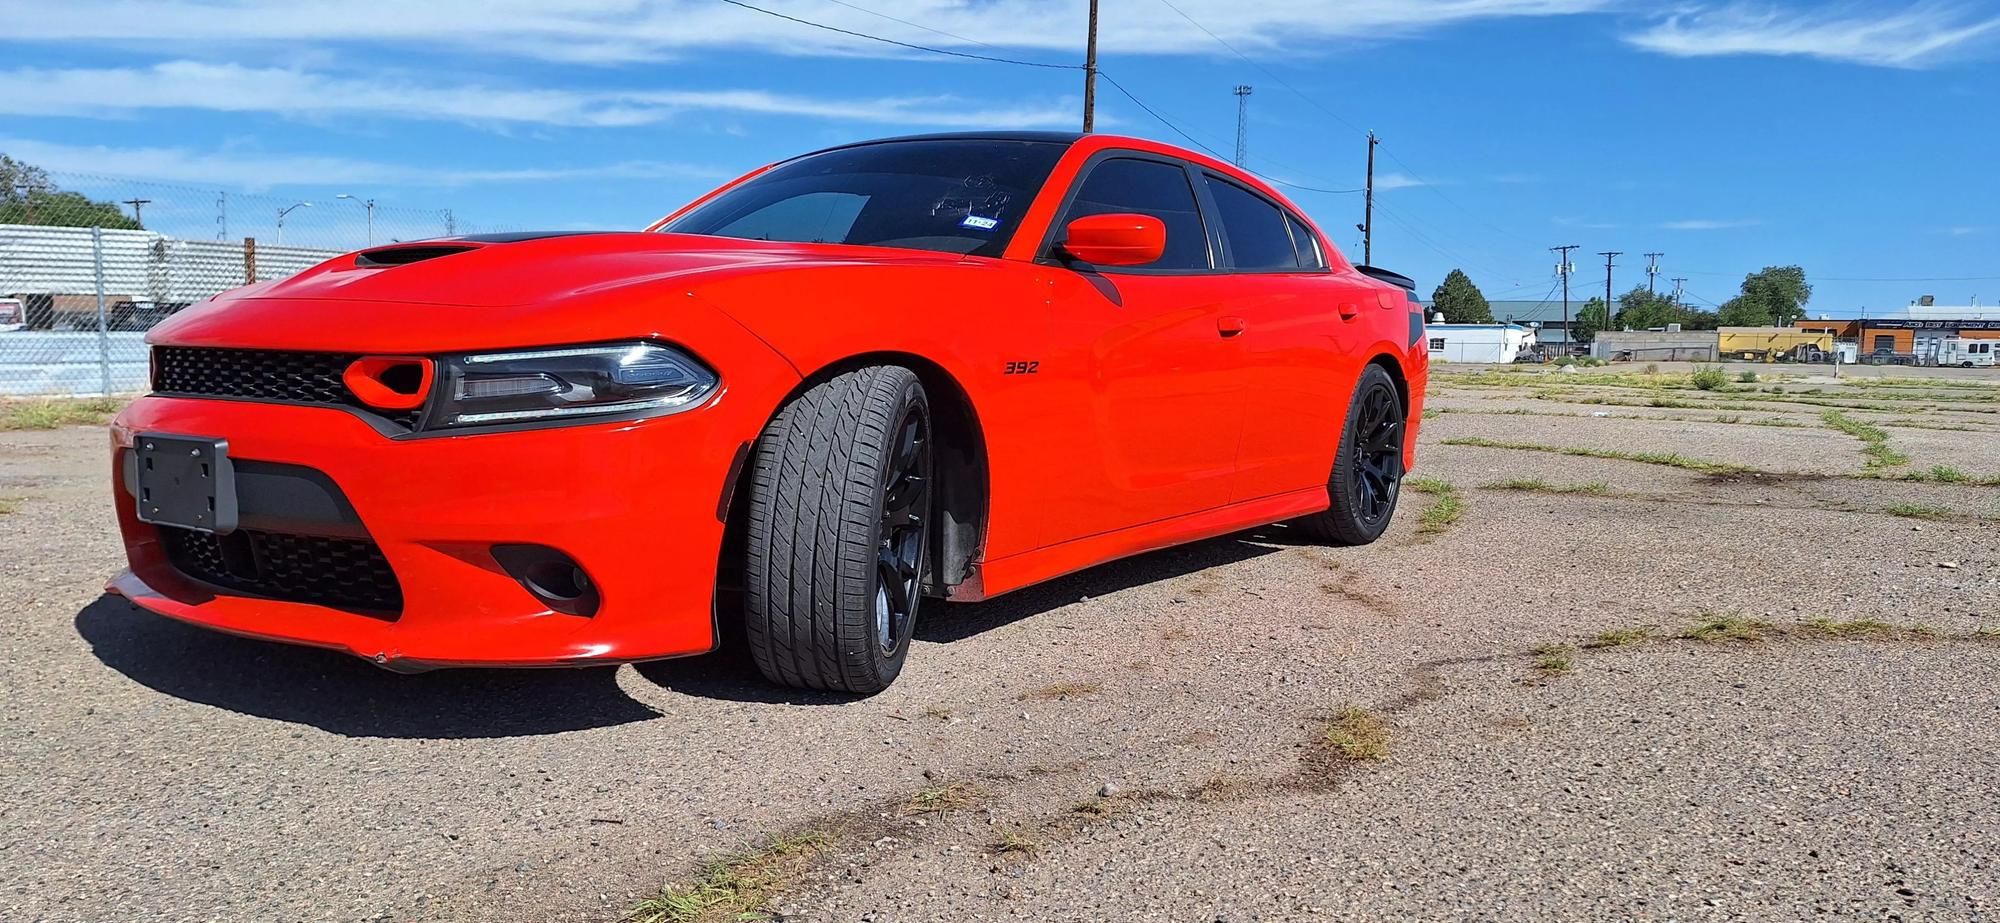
(1255,228)
(1310,256)
(1148,187)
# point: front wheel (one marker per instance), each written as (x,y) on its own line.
(837,532)
(1367,469)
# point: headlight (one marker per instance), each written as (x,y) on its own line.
(522,386)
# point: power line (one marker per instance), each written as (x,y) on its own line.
(909,45)
(1154,113)
(913,25)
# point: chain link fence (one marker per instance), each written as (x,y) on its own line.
(89,264)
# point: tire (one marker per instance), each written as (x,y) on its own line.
(1368,468)
(837,532)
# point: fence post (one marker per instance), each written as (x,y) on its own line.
(103,319)
(249,261)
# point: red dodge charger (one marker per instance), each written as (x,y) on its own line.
(931,368)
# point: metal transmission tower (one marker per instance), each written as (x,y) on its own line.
(1563,268)
(1242,121)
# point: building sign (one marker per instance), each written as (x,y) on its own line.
(1932,324)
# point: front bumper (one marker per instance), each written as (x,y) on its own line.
(636,504)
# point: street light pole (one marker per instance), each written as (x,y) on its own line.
(281,219)
(368,204)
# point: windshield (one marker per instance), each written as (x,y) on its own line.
(955,196)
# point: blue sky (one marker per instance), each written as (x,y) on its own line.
(1857,139)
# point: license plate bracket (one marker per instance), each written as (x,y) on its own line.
(186,482)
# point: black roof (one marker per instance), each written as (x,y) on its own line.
(1045,137)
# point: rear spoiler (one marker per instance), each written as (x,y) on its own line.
(1393,278)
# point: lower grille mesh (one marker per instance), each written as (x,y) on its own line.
(339,572)
(262,374)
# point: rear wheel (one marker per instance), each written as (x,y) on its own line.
(1368,469)
(837,532)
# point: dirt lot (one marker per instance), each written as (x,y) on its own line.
(1645,652)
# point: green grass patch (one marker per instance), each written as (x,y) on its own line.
(1554,659)
(1918,511)
(1947,475)
(1875,441)
(1537,485)
(1446,504)
(1709,378)
(942,799)
(1855,628)
(1357,734)
(1727,628)
(1651,458)
(1619,637)
(736,887)
(50,413)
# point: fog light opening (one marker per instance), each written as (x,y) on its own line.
(550,576)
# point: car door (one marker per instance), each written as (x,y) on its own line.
(1143,411)
(1300,331)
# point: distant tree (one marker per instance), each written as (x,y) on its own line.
(1591,318)
(1461,301)
(28,196)
(1640,309)
(1772,295)
(1697,319)
(1743,311)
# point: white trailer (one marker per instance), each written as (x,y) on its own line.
(1966,353)
(1500,343)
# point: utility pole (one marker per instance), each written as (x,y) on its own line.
(138,204)
(1090,74)
(1680,283)
(1608,254)
(1242,121)
(1368,208)
(1563,268)
(1652,269)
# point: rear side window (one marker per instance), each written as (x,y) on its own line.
(1148,187)
(1255,228)
(1310,255)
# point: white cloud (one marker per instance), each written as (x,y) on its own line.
(257,171)
(1912,37)
(1397,181)
(233,88)
(1708,224)
(646,30)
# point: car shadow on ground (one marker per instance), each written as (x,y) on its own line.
(343,695)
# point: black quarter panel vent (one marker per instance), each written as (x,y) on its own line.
(403,256)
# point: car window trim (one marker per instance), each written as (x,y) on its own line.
(1282,211)
(1217,265)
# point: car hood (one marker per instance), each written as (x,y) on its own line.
(507,270)
(462,293)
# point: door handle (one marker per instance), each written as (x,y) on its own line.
(1230,326)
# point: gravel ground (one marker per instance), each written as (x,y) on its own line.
(162,772)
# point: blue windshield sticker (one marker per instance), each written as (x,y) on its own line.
(978,223)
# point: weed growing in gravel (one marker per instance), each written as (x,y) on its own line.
(1918,511)
(1444,510)
(1092,807)
(1875,442)
(1554,659)
(1356,734)
(1710,378)
(1619,637)
(1856,628)
(53,412)
(1062,690)
(1014,845)
(1650,458)
(1727,628)
(1537,485)
(942,799)
(1947,475)
(8,505)
(734,887)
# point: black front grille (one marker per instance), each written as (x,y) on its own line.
(291,376)
(339,572)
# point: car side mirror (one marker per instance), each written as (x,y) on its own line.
(1115,239)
